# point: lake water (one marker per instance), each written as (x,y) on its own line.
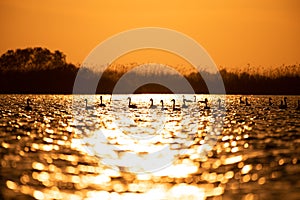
(61,150)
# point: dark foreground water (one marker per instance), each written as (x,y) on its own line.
(61,150)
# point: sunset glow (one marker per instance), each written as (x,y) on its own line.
(235,33)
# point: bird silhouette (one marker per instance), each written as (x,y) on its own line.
(270,101)
(184,105)
(131,105)
(86,105)
(101,104)
(162,105)
(28,107)
(205,102)
(270,104)
(241,101)
(174,108)
(283,104)
(151,105)
(186,100)
(220,107)
(206,105)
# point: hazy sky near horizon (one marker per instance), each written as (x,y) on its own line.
(234,32)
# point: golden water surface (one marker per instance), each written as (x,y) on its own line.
(61,150)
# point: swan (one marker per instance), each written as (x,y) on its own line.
(101,104)
(298,108)
(174,108)
(162,105)
(86,105)
(206,106)
(247,103)
(28,107)
(131,105)
(152,106)
(270,102)
(205,101)
(241,101)
(219,106)
(186,100)
(283,104)
(184,105)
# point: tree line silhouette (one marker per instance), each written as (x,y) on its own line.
(40,71)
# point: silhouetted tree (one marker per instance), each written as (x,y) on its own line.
(36,70)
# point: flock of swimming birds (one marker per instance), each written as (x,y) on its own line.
(283,104)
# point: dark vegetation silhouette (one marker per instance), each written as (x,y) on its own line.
(36,70)
(40,71)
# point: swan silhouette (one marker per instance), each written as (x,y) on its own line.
(162,105)
(28,107)
(298,108)
(241,101)
(86,105)
(101,104)
(220,107)
(152,106)
(184,105)
(283,104)
(270,102)
(206,106)
(186,100)
(131,105)
(247,103)
(174,108)
(205,102)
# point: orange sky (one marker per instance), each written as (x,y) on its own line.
(234,32)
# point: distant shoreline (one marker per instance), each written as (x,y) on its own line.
(40,71)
